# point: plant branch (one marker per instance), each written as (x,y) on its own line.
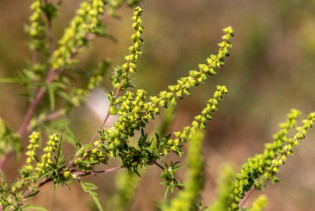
(78,173)
(248,195)
(38,97)
(175,180)
(52,116)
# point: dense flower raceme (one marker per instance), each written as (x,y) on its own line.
(263,167)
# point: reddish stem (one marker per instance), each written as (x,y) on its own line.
(5,160)
(52,116)
(248,195)
(31,109)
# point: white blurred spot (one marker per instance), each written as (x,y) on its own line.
(99,104)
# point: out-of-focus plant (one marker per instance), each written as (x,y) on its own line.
(52,95)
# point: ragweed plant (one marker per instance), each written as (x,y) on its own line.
(263,167)
(52,95)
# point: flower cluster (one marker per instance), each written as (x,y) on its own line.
(27,169)
(29,174)
(36,30)
(83,27)
(205,70)
(31,150)
(142,113)
(199,121)
(131,110)
(265,166)
(121,79)
(91,155)
(46,160)
(183,86)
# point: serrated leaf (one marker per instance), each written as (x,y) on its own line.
(88,187)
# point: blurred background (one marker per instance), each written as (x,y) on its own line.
(270,71)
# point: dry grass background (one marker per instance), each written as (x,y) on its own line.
(271,70)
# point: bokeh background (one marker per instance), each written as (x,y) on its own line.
(270,71)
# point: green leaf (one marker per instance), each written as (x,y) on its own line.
(32,194)
(51,93)
(33,207)
(8,80)
(76,143)
(88,187)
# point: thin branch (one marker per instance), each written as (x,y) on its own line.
(81,173)
(248,195)
(52,116)
(78,173)
(38,97)
(175,180)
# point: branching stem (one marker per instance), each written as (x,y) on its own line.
(175,180)
(78,173)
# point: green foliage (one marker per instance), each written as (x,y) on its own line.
(89,187)
(189,197)
(53,93)
(224,189)
(10,142)
(264,167)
